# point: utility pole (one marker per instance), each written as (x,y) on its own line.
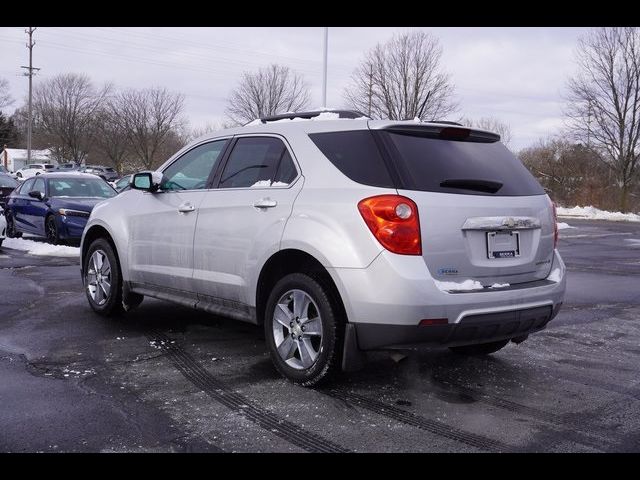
(30,69)
(324,74)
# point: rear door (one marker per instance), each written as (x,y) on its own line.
(241,222)
(483,216)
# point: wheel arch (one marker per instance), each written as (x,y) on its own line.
(289,261)
(92,234)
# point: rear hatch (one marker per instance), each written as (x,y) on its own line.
(483,216)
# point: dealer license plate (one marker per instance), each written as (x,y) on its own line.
(503,244)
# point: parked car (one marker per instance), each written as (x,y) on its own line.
(106,173)
(122,183)
(4,170)
(67,167)
(7,185)
(339,237)
(34,169)
(3,226)
(55,205)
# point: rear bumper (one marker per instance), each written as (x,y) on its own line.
(386,301)
(484,328)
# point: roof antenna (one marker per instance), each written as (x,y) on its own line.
(424,103)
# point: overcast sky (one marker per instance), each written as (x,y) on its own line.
(517,75)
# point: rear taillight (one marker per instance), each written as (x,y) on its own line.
(393,220)
(555,225)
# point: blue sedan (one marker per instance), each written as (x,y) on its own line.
(55,205)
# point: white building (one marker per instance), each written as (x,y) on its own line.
(16,158)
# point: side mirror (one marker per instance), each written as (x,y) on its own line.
(146,181)
(36,194)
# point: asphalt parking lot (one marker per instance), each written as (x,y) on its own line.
(166,378)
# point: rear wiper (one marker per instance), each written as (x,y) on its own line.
(487,186)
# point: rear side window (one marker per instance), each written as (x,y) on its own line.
(252,163)
(356,155)
(286,171)
(463,167)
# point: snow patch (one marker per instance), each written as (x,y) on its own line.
(633,242)
(465,285)
(39,248)
(562,226)
(555,275)
(499,285)
(262,183)
(593,213)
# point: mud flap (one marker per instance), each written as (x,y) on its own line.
(353,358)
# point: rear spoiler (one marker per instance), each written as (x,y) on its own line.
(462,134)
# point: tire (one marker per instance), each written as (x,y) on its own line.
(480,349)
(1,240)
(51,230)
(104,298)
(307,358)
(11,227)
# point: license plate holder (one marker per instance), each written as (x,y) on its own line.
(503,244)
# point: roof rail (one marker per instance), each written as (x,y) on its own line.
(446,122)
(314,113)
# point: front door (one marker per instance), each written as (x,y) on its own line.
(162,224)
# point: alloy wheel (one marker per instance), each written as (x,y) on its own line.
(297,329)
(98,278)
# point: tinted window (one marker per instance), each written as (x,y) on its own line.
(7,182)
(191,171)
(80,187)
(286,171)
(356,155)
(252,162)
(435,165)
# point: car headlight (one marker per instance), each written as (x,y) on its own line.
(67,212)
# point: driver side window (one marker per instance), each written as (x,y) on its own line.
(26,186)
(191,171)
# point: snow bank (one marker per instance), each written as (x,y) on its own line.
(562,226)
(39,248)
(593,213)
(465,285)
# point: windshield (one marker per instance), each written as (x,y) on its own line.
(80,187)
(7,182)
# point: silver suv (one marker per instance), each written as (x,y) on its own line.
(339,235)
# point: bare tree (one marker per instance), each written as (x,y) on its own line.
(402,79)
(492,124)
(5,96)
(64,111)
(571,173)
(269,91)
(111,139)
(603,103)
(149,118)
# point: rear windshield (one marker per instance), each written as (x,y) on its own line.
(449,166)
(428,164)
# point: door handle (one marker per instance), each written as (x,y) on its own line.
(186,207)
(265,203)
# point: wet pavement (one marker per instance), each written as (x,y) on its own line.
(168,379)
